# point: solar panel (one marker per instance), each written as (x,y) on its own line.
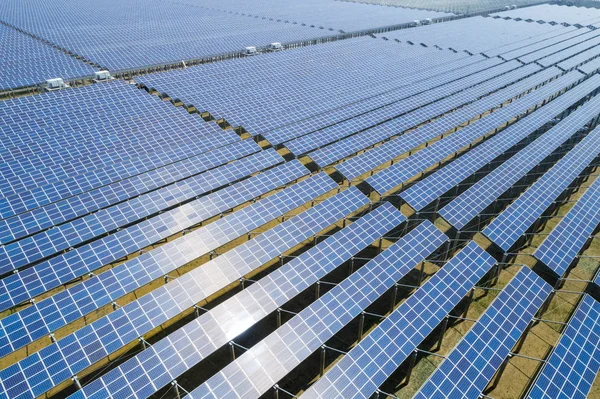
(558,13)
(89,140)
(427,190)
(514,221)
(477,197)
(560,33)
(92,226)
(253,372)
(65,267)
(353,144)
(85,259)
(476,34)
(361,164)
(64,307)
(570,370)
(569,38)
(362,370)
(567,239)
(470,366)
(406,168)
(187,346)
(306,143)
(579,59)
(590,67)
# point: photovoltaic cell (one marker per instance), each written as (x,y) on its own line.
(360,372)
(579,59)
(418,104)
(415,82)
(59,270)
(539,55)
(470,366)
(253,373)
(163,361)
(27,61)
(70,208)
(590,67)
(574,363)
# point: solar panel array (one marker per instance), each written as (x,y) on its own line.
(122,214)
(27,61)
(184,30)
(470,366)
(574,363)
(554,13)
(568,238)
(372,361)
(312,327)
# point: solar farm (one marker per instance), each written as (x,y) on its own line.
(299,199)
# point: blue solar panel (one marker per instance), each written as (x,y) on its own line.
(60,309)
(27,61)
(574,363)
(579,59)
(363,163)
(177,31)
(371,362)
(111,248)
(567,239)
(475,34)
(590,67)
(559,13)
(467,205)
(406,168)
(538,48)
(560,33)
(353,144)
(570,54)
(313,326)
(513,222)
(470,366)
(427,190)
(206,334)
(84,140)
